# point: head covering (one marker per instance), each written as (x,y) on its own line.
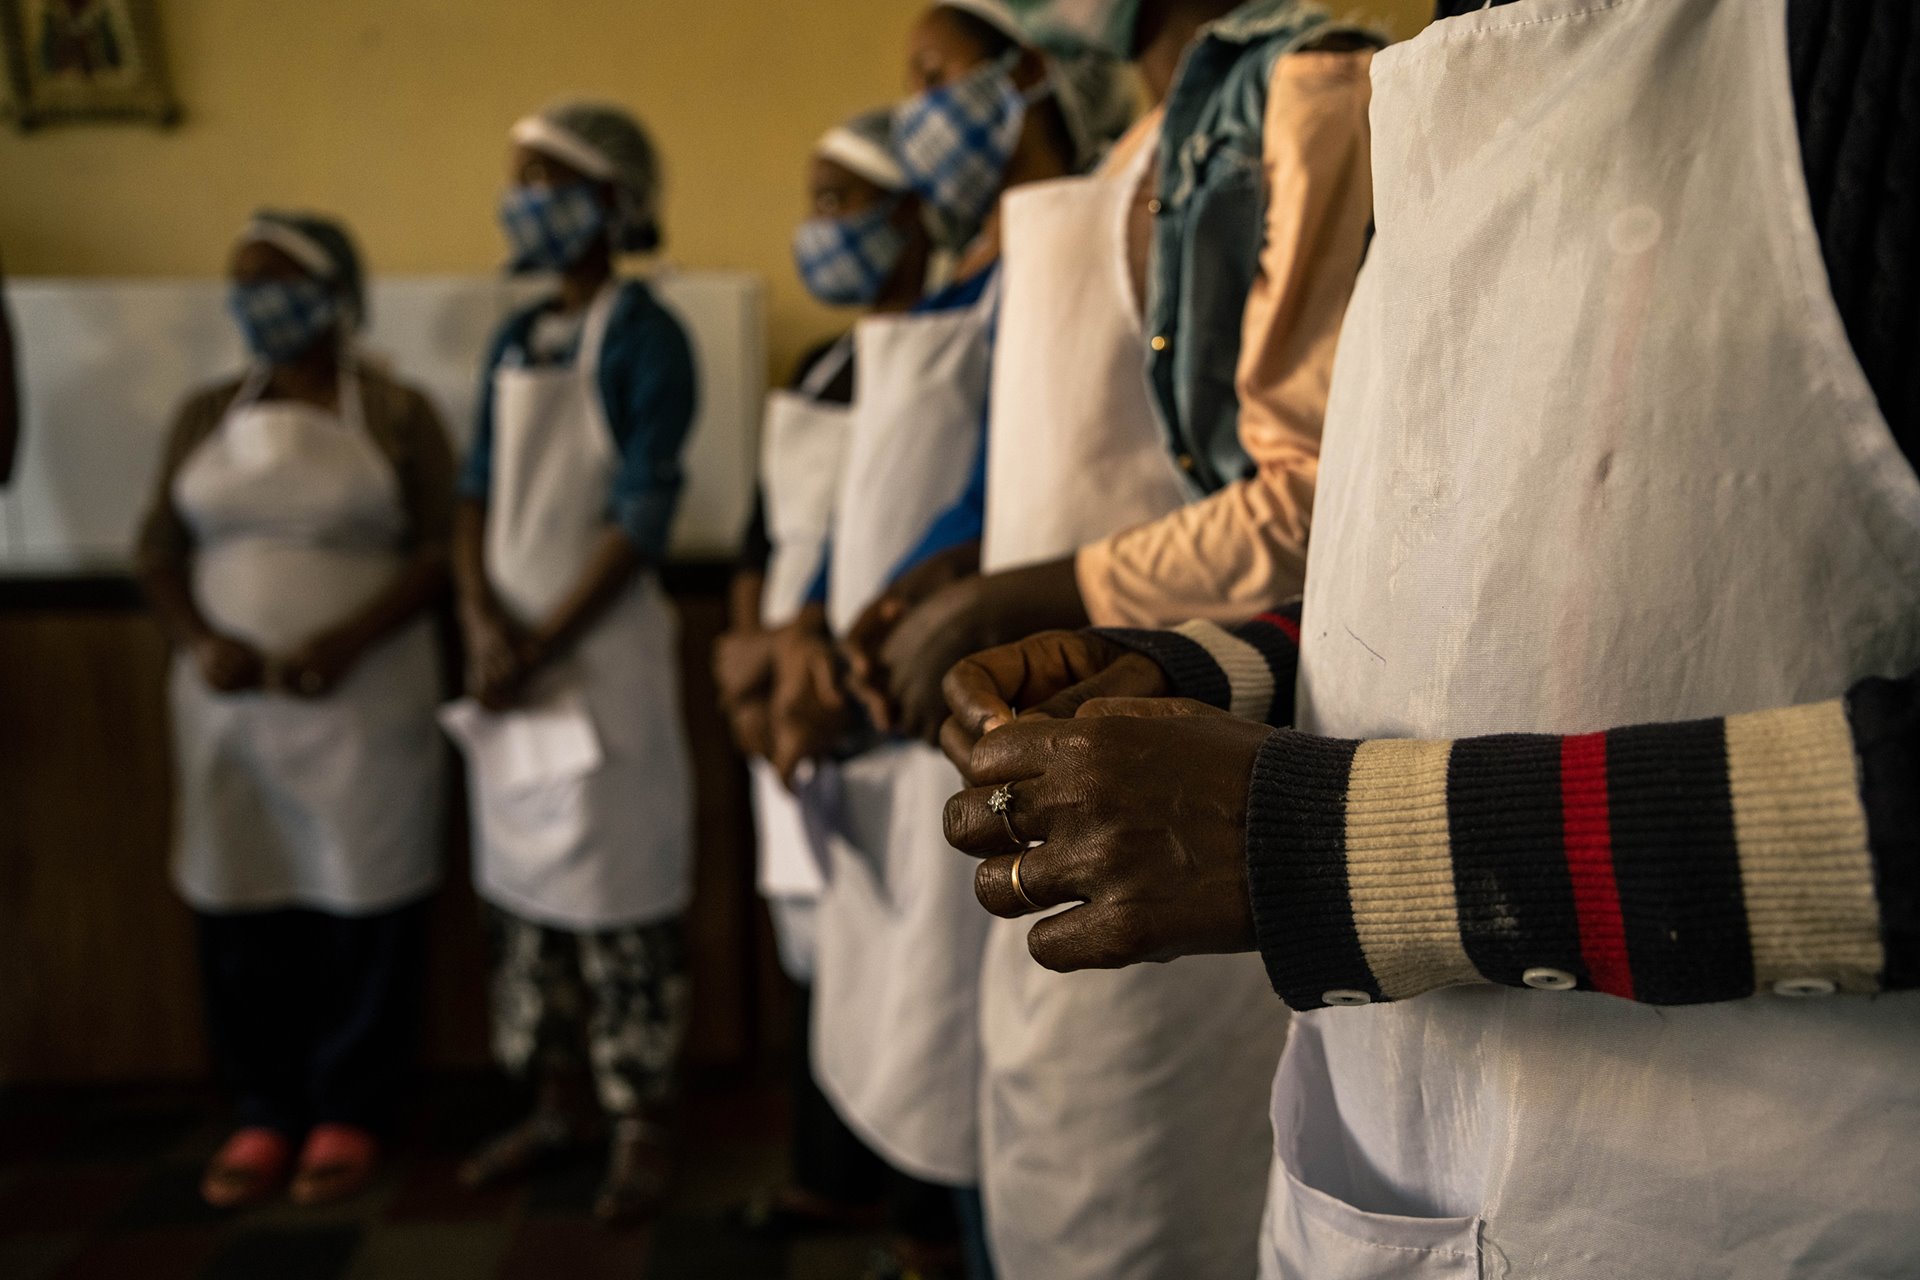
(1097,99)
(1106,25)
(607,144)
(1095,96)
(995,13)
(322,247)
(860,146)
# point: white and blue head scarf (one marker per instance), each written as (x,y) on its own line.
(281,319)
(551,228)
(846,261)
(953,142)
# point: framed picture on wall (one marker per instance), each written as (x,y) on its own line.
(80,60)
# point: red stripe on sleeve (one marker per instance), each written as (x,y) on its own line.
(1287,625)
(1588,834)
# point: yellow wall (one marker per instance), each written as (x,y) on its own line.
(392,113)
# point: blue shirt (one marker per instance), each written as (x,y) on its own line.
(965,519)
(649,387)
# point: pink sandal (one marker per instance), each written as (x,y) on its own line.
(248,1168)
(337,1162)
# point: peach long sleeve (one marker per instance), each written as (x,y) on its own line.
(1234,552)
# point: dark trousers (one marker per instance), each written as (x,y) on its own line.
(830,1161)
(312,1016)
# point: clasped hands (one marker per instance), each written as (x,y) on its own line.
(1137,799)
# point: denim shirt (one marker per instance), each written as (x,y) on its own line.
(1210,227)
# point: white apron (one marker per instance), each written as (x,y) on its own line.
(1123,1131)
(603,837)
(896,1009)
(1598,454)
(803,442)
(332,802)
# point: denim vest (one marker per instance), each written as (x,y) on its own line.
(1210,227)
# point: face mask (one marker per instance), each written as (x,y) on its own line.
(845,262)
(551,228)
(282,318)
(954,142)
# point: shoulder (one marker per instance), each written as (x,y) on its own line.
(204,405)
(392,401)
(960,294)
(516,326)
(639,313)
(643,331)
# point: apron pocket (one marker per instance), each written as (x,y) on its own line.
(1311,1233)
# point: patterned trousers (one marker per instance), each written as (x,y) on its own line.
(619,994)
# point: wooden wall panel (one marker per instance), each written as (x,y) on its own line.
(97,965)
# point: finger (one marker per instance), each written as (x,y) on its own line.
(979,690)
(824,680)
(1147,708)
(1026,748)
(869,632)
(870,700)
(1037,809)
(1046,877)
(957,743)
(1107,684)
(1096,936)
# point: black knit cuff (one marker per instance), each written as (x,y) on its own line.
(1191,669)
(1297,872)
(1885,719)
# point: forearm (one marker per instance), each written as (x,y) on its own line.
(419,585)
(1031,599)
(170,596)
(743,599)
(610,567)
(1223,558)
(1670,864)
(1247,669)
(470,558)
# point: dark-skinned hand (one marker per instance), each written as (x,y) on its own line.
(1140,808)
(743,665)
(500,658)
(751,723)
(1050,675)
(808,713)
(228,665)
(317,667)
(865,639)
(965,617)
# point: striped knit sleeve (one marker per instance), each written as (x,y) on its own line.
(1247,669)
(1776,852)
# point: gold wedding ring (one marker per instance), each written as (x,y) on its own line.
(1019,891)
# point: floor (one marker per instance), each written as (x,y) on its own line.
(101,1185)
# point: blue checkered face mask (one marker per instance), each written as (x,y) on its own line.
(845,262)
(551,228)
(280,319)
(953,142)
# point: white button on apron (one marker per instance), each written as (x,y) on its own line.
(1591,422)
(1121,1122)
(1345,997)
(1544,979)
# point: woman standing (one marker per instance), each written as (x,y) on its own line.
(297,537)
(583,837)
